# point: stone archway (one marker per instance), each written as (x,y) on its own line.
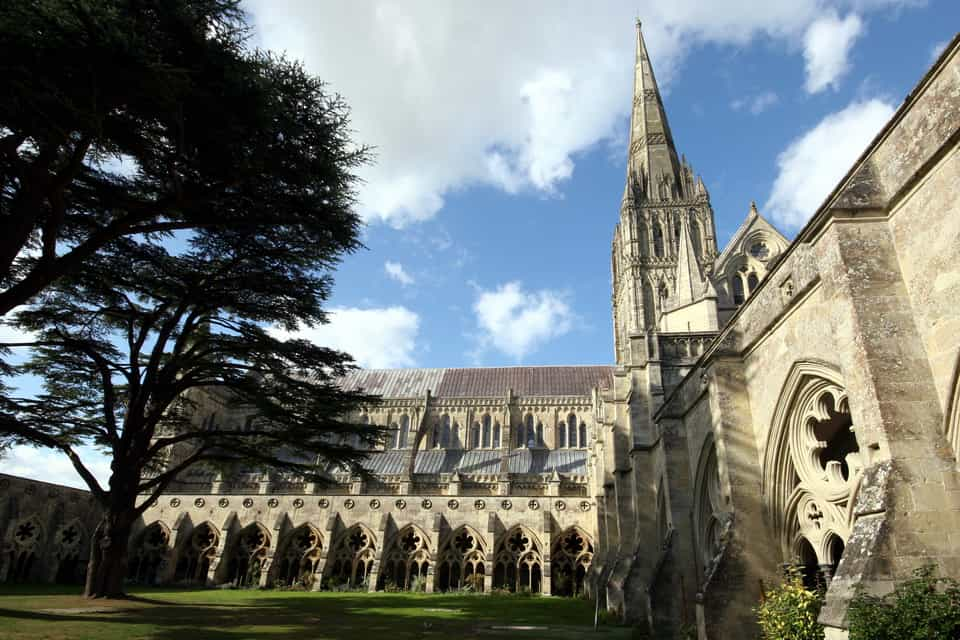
(25,548)
(351,557)
(148,554)
(247,558)
(406,561)
(68,553)
(196,555)
(462,557)
(518,561)
(570,560)
(299,556)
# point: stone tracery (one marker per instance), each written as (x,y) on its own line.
(351,559)
(300,555)
(406,558)
(518,561)
(199,551)
(570,560)
(463,555)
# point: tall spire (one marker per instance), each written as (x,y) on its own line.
(653,168)
(689,285)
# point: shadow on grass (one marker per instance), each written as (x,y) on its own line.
(223,615)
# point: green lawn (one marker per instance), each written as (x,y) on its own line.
(57,613)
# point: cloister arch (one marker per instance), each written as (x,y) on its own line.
(406,558)
(298,555)
(198,551)
(570,558)
(462,555)
(518,561)
(812,466)
(25,548)
(68,552)
(352,555)
(148,554)
(248,554)
(710,515)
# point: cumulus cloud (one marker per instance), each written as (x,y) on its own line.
(395,271)
(500,93)
(516,322)
(811,166)
(52,466)
(377,338)
(826,49)
(756,104)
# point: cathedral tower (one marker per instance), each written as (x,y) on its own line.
(662,200)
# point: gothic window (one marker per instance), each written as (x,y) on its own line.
(561,435)
(583,435)
(496,435)
(27,539)
(649,310)
(351,559)
(394,436)
(752,282)
(486,431)
(570,561)
(461,561)
(518,563)
(759,250)
(193,564)
(657,240)
(736,284)
(404,431)
(644,239)
(67,544)
(696,236)
(710,514)
(149,554)
(527,431)
(298,561)
(455,436)
(572,431)
(248,556)
(812,468)
(676,234)
(445,431)
(405,562)
(475,436)
(540,442)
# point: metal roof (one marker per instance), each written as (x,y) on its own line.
(480,461)
(481,382)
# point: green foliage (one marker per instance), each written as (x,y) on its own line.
(923,608)
(474,582)
(789,611)
(418,584)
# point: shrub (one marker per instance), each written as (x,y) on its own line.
(923,608)
(789,611)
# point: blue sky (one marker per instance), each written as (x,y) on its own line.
(501,129)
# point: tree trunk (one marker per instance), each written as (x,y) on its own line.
(107,568)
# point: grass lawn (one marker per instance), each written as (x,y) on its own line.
(59,613)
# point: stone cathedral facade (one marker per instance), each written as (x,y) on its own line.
(772,403)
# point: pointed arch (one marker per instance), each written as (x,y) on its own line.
(709,512)
(149,553)
(24,549)
(644,239)
(572,430)
(248,554)
(811,462)
(461,557)
(351,557)
(570,558)
(196,554)
(657,240)
(406,560)
(518,561)
(487,431)
(298,555)
(69,543)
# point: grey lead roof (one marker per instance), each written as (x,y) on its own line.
(481,382)
(480,461)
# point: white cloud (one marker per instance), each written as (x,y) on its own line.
(826,49)
(937,49)
(502,93)
(395,271)
(811,166)
(376,338)
(756,104)
(516,322)
(52,466)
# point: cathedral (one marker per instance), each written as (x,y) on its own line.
(775,403)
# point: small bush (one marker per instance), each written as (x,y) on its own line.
(924,608)
(789,611)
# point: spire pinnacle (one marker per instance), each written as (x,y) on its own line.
(689,277)
(652,159)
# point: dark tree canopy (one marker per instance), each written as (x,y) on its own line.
(210,135)
(149,289)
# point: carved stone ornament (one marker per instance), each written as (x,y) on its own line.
(533,505)
(248,502)
(426,504)
(401,504)
(560,505)
(349,503)
(224,503)
(584,505)
(199,502)
(298,503)
(374,504)
(479,505)
(175,502)
(506,504)
(323,503)
(273,503)
(454,504)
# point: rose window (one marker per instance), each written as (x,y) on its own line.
(26,531)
